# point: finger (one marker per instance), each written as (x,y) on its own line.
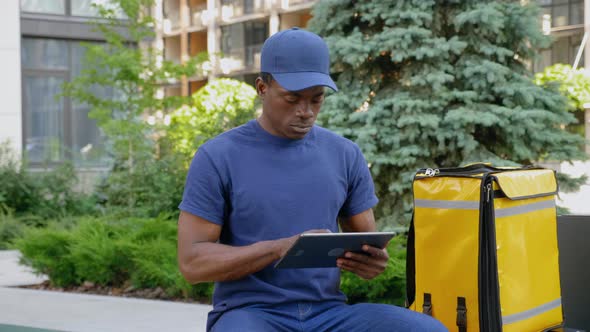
(366,265)
(379,260)
(360,267)
(374,251)
(363,273)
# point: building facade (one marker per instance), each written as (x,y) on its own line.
(230,31)
(43,52)
(10,84)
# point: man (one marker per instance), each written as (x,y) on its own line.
(252,190)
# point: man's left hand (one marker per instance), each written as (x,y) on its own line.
(366,265)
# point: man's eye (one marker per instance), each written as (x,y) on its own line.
(291,100)
(318,100)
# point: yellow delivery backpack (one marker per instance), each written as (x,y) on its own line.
(482,249)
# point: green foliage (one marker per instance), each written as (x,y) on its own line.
(47,250)
(218,106)
(100,252)
(574,84)
(435,83)
(10,229)
(16,191)
(388,287)
(110,251)
(568,184)
(156,186)
(128,65)
(47,194)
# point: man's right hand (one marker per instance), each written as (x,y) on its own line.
(285,243)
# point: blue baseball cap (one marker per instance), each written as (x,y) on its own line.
(297,59)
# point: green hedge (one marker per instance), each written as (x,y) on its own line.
(388,287)
(10,228)
(141,252)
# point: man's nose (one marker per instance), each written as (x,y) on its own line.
(305,110)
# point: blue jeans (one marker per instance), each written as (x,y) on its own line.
(330,316)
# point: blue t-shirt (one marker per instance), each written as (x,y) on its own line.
(262,187)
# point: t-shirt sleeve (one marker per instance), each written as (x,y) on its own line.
(204,194)
(361,189)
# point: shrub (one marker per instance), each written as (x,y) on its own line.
(389,287)
(17,190)
(156,186)
(40,195)
(111,251)
(218,106)
(10,229)
(47,251)
(101,253)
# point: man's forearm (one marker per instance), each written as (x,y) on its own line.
(218,262)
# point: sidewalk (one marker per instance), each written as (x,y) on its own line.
(86,313)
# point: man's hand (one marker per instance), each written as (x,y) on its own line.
(367,265)
(285,244)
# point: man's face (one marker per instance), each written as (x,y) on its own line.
(289,114)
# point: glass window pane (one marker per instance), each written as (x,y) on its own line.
(44,54)
(232,38)
(43,118)
(88,141)
(577,13)
(44,6)
(542,61)
(560,51)
(85,8)
(560,16)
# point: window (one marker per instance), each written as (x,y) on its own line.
(564,12)
(55,128)
(67,7)
(244,41)
(86,8)
(563,50)
(57,7)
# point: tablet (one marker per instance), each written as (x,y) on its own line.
(313,250)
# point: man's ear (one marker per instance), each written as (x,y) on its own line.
(261,87)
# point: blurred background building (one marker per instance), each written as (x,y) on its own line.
(39,50)
(231,31)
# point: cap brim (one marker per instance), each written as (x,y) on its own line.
(303,80)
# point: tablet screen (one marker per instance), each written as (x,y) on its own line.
(313,250)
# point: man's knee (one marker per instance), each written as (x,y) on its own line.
(401,319)
(428,324)
(240,320)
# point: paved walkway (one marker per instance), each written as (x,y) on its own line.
(49,310)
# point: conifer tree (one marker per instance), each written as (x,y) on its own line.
(439,83)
